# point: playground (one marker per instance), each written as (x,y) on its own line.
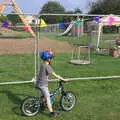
(26,45)
(87,52)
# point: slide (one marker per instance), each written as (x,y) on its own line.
(67,30)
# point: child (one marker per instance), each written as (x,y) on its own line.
(42,79)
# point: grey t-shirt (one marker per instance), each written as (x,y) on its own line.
(42,79)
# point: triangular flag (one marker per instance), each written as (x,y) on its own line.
(42,23)
(5,24)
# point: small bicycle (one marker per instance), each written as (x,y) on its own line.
(33,105)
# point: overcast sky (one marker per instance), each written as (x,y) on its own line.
(34,6)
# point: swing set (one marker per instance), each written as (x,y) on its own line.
(13,4)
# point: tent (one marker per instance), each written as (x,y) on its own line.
(107,21)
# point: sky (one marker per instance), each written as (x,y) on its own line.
(34,6)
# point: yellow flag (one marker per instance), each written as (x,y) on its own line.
(42,23)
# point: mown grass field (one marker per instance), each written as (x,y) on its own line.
(106,40)
(14,33)
(96,100)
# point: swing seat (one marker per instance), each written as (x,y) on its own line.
(80,62)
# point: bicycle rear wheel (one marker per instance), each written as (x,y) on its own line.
(30,106)
(67,101)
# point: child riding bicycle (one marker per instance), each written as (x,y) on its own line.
(42,78)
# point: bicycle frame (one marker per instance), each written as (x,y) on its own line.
(59,89)
(32,105)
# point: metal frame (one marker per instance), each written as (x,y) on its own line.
(80,61)
(37,37)
(17,10)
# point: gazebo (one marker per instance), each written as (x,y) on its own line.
(109,20)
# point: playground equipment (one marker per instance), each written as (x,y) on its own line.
(36,62)
(80,51)
(68,29)
(18,11)
(76,28)
(81,55)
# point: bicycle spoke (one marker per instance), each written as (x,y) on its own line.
(68,101)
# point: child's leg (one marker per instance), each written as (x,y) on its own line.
(49,105)
(46,94)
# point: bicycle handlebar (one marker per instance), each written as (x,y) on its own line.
(61,82)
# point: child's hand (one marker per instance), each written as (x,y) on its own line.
(66,80)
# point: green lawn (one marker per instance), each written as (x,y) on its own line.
(85,39)
(96,100)
(20,35)
(74,40)
(16,67)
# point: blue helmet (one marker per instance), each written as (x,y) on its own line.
(47,54)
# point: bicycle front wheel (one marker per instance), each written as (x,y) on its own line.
(30,106)
(67,101)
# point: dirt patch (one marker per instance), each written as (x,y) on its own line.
(27,45)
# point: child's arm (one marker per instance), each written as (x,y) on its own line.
(59,77)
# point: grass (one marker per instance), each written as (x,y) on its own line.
(16,67)
(13,34)
(96,100)
(85,39)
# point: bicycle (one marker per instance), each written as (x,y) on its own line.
(32,105)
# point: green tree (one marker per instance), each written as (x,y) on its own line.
(2,18)
(68,18)
(105,7)
(77,11)
(14,19)
(53,8)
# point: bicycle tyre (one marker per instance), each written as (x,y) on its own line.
(67,101)
(30,106)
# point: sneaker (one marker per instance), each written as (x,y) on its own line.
(54,114)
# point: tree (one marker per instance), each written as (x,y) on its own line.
(77,11)
(105,7)
(53,8)
(14,18)
(71,18)
(68,18)
(2,18)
